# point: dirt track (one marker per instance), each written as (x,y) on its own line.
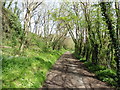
(69,72)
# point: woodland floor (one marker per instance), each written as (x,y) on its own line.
(69,72)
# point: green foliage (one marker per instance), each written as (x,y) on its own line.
(77,56)
(29,69)
(80,57)
(13,28)
(83,59)
(14,23)
(27,72)
(103,73)
(107,76)
(94,68)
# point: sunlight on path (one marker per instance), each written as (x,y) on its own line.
(69,72)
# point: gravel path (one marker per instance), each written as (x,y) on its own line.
(69,72)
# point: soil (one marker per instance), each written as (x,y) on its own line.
(70,73)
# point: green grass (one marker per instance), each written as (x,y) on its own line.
(27,71)
(103,73)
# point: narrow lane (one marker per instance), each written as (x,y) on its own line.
(69,72)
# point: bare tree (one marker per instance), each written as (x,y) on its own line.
(30,6)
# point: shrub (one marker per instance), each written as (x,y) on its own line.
(103,73)
(82,59)
(107,76)
(77,56)
(93,67)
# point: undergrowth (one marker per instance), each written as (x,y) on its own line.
(27,71)
(103,73)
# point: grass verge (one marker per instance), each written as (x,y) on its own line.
(103,73)
(27,71)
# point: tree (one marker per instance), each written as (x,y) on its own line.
(105,6)
(31,7)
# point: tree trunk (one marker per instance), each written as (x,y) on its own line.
(115,41)
(95,54)
(23,40)
(77,49)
